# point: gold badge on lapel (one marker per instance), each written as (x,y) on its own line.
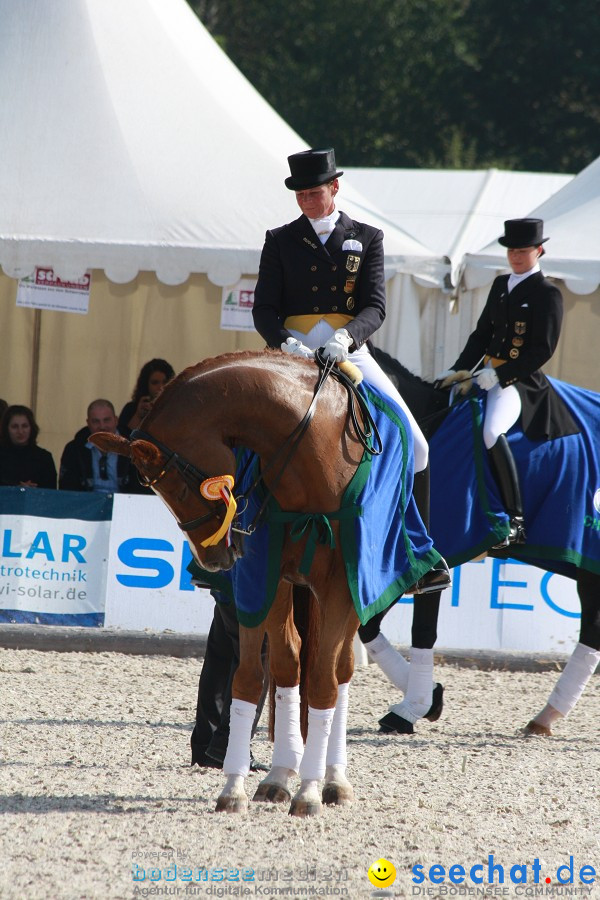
(309,242)
(513,353)
(352,263)
(349,286)
(350,303)
(520,327)
(517,342)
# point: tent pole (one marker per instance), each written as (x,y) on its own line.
(35,362)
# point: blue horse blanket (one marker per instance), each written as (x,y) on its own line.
(384,542)
(560,484)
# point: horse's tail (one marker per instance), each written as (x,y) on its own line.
(306,620)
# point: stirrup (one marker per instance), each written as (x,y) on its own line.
(516,535)
(437,579)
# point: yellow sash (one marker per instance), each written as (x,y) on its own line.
(305,323)
(495,361)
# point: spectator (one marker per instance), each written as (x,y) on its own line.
(83,467)
(22,462)
(151,380)
(3,408)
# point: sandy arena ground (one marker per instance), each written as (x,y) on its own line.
(96,786)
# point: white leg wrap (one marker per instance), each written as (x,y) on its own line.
(312,767)
(417,700)
(336,746)
(573,678)
(287,746)
(389,660)
(237,758)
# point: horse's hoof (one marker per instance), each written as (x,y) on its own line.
(392,723)
(305,808)
(335,794)
(534,728)
(437,704)
(271,793)
(232,804)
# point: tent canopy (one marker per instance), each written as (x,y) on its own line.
(455,212)
(130,142)
(571,218)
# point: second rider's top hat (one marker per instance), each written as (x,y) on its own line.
(522,233)
(311,168)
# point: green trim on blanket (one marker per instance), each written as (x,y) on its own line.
(418,568)
(533,552)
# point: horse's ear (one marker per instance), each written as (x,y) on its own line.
(145,455)
(110,443)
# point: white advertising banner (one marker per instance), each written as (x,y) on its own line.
(54,556)
(59,565)
(236,309)
(45,290)
(500,605)
(148,586)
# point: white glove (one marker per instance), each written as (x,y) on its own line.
(487,379)
(297,348)
(338,345)
(444,374)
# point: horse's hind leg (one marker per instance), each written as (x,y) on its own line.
(247,687)
(284,658)
(582,663)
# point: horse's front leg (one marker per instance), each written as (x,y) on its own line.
(337,790)
(284,659)
(246,690)
(327,721)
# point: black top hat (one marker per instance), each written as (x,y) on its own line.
(523,233)
(311,168)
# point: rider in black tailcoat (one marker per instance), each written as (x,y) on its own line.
(517,333)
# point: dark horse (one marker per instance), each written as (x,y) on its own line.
(186,453)
(430,408)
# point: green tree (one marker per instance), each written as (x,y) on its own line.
(425,83)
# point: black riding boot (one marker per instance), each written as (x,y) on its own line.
(505,472)
(438,577)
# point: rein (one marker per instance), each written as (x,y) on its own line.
(195,478)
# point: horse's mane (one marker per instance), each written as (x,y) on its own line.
(391,366)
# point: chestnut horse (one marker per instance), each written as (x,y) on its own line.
(186,454)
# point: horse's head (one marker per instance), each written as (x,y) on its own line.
(202,505)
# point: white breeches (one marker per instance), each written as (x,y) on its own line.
(374,374)
(503,407)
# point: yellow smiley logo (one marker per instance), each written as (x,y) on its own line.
(382,873)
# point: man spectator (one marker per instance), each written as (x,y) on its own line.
(83,467)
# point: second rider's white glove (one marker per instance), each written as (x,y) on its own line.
(297,348)
(337,347)
(487,379)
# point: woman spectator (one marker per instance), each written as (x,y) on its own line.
(22,462)
(151,380)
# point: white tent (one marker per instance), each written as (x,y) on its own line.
(453,212)
(132,147)
(571,218)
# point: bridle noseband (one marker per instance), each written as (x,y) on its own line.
(191,474)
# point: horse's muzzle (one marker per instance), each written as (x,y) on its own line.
(220,558)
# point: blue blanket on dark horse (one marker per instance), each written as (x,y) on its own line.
(383,539)
(560,483)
